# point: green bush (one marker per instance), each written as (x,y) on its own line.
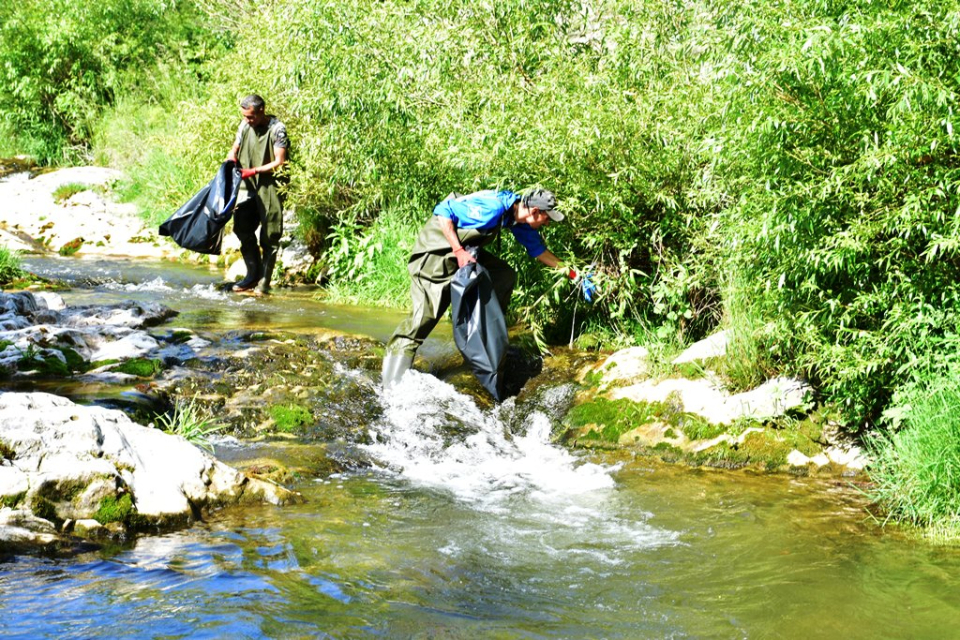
(916,469)
(62,61)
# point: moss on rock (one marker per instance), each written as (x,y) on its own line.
(114,509)
(140,367)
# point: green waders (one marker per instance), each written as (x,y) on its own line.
(264,209)
(432,267)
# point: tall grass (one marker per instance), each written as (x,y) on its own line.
(916,469)
(190,421)
(10,268)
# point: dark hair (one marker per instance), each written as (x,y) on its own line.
(253,101)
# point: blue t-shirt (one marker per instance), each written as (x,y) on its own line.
(486,210)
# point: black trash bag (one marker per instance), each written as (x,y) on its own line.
(479,328)
(198,225)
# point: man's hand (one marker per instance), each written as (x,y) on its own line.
(463,257)
(247,173)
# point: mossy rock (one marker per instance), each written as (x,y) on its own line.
(140,367)
(609,420)
(114,509)
(44,364)
(290,418)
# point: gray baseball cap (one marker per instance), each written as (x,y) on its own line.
(544,201)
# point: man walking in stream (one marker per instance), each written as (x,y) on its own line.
(260,148)
(458,222)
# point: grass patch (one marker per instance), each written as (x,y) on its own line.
(66,191)
(916,469)
(6,452)
(71,247)
(113,509)
(190,421)
(140,367)
(10,269)
(608,420)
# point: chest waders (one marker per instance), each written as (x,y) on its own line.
(263,210)
(432,266)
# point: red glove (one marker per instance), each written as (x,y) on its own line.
(572,274)
(247,173)
(463,257)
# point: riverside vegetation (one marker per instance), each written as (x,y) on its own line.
(786,170)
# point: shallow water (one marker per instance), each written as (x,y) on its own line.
(493,534)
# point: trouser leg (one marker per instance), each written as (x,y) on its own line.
(269,262)
(271,231)
(430,302)
(246,220)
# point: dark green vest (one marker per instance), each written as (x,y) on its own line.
(256,149)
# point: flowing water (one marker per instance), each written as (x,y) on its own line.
(494,533)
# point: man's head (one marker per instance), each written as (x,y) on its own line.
(537,208)
(252,108)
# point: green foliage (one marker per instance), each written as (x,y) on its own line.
(10,269)
(190,421)
(62,61)
(65,191)
(290,417)
(843,153)
(787,171)
(916,469)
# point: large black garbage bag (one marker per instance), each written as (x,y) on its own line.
(479,328)
(198,225)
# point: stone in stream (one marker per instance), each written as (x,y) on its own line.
(62,463)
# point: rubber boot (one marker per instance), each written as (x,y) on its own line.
(269,262)
(251,258)
(394,366)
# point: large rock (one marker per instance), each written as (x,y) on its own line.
(705,397)
(61,462)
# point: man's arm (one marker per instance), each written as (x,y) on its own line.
(450,233)
(553,262)
(280,160)
(266,168)
(232,156)
(549,259)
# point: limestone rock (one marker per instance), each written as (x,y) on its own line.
(713,346)
(74,462)
(707,399)
(624,365)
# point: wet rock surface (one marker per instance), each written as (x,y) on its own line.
(774,426)
(65,464)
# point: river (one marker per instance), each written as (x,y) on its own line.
(499,534)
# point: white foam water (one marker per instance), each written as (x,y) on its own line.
(437,438)
(157,284)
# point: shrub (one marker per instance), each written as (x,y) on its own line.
(916,469)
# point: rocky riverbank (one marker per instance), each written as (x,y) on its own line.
(72,211)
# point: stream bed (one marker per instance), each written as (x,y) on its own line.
(495,534)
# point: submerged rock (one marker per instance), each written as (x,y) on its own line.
(38,333)
(62,463)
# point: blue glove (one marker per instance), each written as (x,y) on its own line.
(588,288)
